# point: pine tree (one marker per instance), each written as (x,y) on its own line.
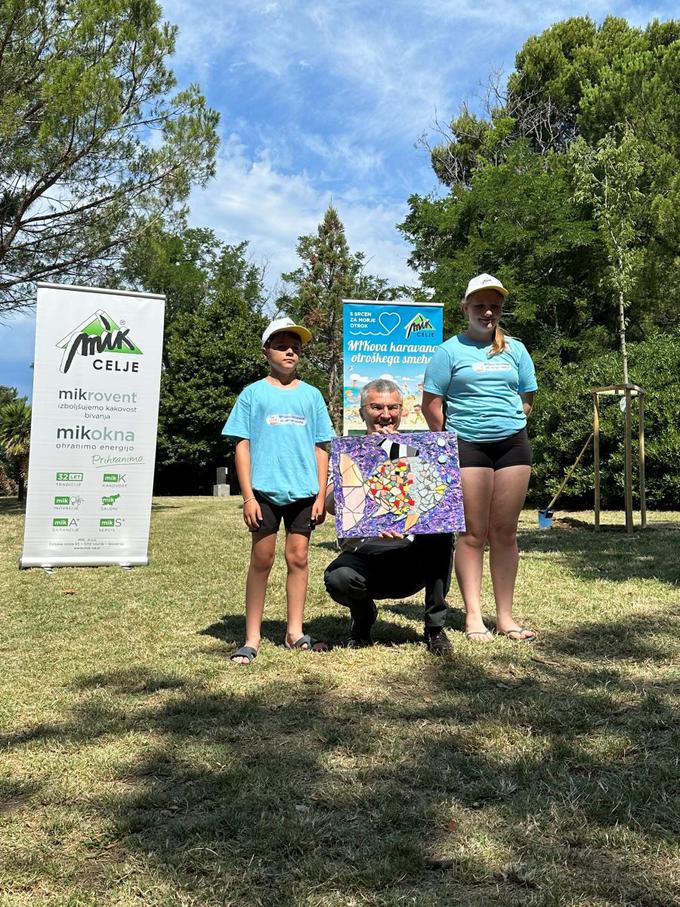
(329,273)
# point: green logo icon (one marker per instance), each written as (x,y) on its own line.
(96,335)
(417,324)
(110,500)
(69,477)
(106,522)
(60,521)
(110,476)
(61,500)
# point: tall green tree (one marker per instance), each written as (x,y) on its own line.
(15,438)
(92,143)
(517,220)
(313,295)
(583,83)
(212,346)
(607,179)
(8,486)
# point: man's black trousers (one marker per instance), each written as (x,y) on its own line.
(399,568)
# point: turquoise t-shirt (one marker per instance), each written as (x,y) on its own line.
(482,392)
(283,427)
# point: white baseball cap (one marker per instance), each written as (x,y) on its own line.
(485,282)
(286,324)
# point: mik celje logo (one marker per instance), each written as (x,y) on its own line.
(97,334)
(418,324)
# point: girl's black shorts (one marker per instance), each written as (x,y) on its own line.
(512,451)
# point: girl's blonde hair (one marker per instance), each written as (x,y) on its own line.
(499,344)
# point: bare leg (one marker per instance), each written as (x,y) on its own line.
(477,485)
(261,560)
(509,492)
(297,547)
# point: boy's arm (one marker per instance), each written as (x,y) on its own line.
(319,505)
(251,509)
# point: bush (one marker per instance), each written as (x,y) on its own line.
(563,419)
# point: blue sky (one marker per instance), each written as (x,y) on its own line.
(327,101)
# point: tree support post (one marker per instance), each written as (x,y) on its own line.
(596,456)
(625,393)
(641,453)
(628,463)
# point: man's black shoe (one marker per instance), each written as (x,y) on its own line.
(358,642)
(438,643)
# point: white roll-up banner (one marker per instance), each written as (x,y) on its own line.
(96,386)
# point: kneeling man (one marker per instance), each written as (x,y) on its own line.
(392,566)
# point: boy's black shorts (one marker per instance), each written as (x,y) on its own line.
(512,451)
(297,516)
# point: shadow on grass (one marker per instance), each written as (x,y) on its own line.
(612,556)
(331,629)
(557,770)
(455,616)
(12,506)
(138,679)
(15,795)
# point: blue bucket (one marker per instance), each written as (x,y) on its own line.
(545,518)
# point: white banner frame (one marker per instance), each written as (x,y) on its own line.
(96,388)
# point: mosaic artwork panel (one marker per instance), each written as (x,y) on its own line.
(408,483)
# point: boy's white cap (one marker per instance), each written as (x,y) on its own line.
(485,282)
(286,324)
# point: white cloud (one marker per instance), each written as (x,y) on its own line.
(250,199)
(325,100)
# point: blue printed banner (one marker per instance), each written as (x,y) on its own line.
(392,340)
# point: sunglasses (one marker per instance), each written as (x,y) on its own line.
(282,347)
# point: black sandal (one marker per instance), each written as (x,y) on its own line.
(244,652)
(307,644)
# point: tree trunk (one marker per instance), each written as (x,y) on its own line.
(622,336)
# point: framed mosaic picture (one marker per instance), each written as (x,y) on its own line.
(408,483)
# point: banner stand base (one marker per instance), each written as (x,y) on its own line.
(27,562)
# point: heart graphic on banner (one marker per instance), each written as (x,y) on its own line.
(390,321)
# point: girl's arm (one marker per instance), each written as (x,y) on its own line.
(433,411)
(528,402)
(251,509)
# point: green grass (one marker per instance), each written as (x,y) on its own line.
(138,766)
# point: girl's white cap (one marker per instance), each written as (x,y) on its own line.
(485,282)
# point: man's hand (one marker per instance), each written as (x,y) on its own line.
(388,534)
(383,430)
(252,514)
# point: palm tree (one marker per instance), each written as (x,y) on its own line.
(15,437)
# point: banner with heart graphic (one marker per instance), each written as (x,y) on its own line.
(394,340)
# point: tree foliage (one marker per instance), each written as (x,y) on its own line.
(567,186)
(15,438)
(592,87)
(212,344)
(92,145)
(563,419)
(313,295)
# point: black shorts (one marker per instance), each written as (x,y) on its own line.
(297,516)
(512,451)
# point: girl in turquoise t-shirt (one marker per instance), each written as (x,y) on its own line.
(481,385)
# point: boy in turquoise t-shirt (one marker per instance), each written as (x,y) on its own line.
(280,425)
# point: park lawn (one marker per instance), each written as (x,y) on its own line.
(138,766)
